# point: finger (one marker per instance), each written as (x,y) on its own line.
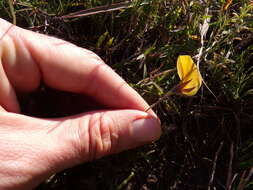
(107,132)
(2,109)
(8,97)
(42,147)
(63,66)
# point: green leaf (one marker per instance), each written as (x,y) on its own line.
(102,39)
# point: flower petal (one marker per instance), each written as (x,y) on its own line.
(189,75)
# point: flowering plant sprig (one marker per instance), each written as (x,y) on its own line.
(190,76)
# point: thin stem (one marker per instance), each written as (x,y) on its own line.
(168,94)
(14,20)
(98,10)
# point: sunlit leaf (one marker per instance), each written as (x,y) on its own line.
(227,4)
(102,39)
(190,77)
(110,42)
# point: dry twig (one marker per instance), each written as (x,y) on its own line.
(230,168)
(210,184)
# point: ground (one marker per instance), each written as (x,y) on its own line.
(207,140)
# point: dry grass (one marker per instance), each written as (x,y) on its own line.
(207,141)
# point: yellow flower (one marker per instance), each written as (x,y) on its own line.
(191,79)
(188,72)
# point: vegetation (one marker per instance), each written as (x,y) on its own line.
(207,140)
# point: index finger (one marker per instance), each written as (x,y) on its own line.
(64,66)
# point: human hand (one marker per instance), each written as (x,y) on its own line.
(32,149)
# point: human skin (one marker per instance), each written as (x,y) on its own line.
(32,149)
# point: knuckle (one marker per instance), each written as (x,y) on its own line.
(98,135)
(93,55)
(103,135)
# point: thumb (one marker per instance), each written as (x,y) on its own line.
(41,147)
(96,134)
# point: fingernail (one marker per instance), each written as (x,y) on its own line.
(146,129)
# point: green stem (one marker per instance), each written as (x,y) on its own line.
(126,180)
(14,20)
(168,94)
